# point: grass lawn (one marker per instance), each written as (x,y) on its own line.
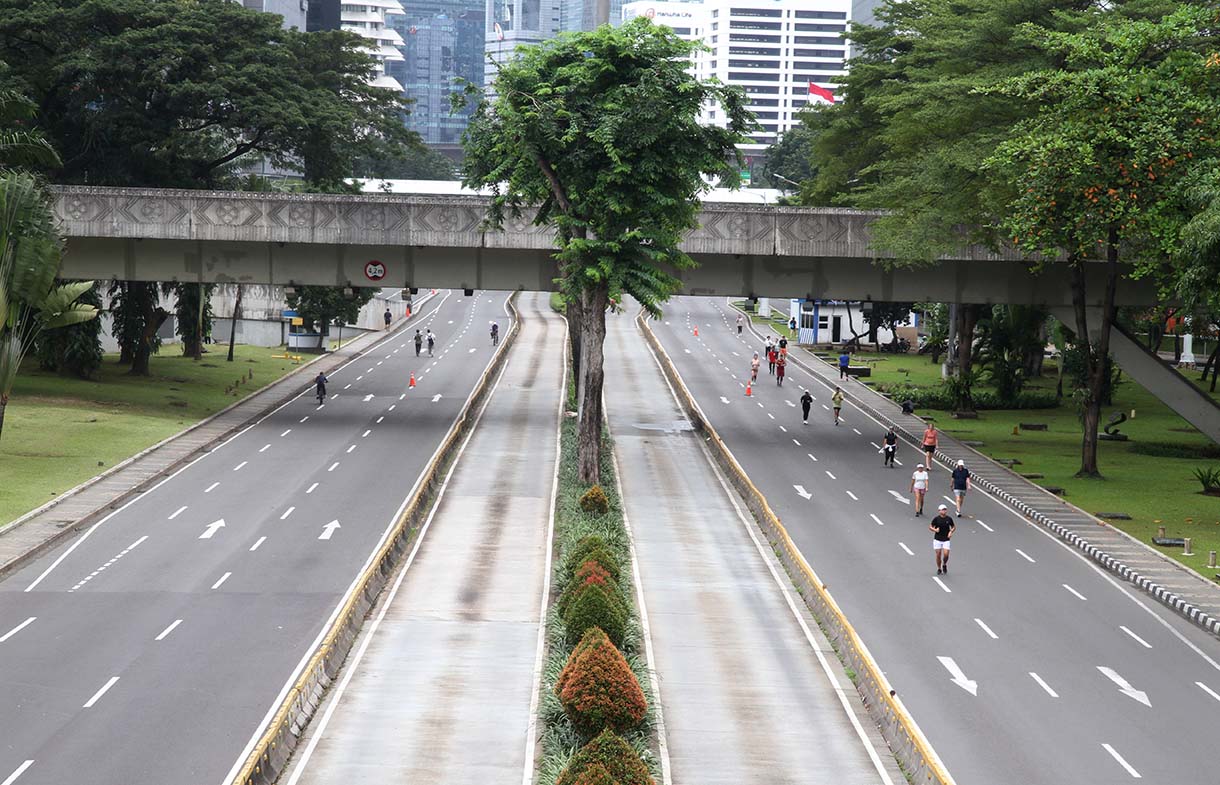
(59,432)
(1153,490)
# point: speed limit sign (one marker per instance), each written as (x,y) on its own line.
(374,270)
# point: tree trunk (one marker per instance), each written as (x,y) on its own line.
(126,355)
(576,313)
(3,406)
(967,318)
(950,366)
(233,323)
(1095,352)
(593,337)
(143,353)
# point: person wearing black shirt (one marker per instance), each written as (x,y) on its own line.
(961,484)
(419,342)
(889,446)
(806,402)
(942,528)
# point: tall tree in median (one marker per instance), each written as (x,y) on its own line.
(30,300)
(1101,172)
(599,131)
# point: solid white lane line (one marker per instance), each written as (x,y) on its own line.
(1201,685)
(1043,685)
(223,578)
(365,435)
(239,466)
(1141,641)
(1026,556)
(985,526)
(310,490)
(1114,754)
(1073,591)
(852,495)
(349,449)
(287,512)
(17,773)
(941,583)
(831,476)
(211,487)
(879,523)
(22,626)
(165,632)
(903,545)
(257,543)
(177,512)
(987,629)
(333,466)
(97,695)
(285,433)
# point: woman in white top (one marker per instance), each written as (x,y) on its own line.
(919,486)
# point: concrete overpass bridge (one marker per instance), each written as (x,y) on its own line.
(438,241)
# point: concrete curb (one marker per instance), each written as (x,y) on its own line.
(260,410)
(279,740)
(1169,599)
(907,742)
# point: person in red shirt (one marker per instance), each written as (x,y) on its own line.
(772,354)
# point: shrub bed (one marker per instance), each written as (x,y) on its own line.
(938,397)
(595,677)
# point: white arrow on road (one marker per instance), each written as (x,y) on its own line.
(211,529)
(959,678)
(436,398)
(368,398)
(900,497)
(790,403)
(1124,686)
(723,399)
(804,494)
(328,530)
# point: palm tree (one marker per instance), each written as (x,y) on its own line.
(21,146)
(30,300)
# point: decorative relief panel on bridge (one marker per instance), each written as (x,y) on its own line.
(452,223)
(732,229)
(823,233)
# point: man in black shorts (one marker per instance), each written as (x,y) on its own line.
(806,402)
(889,447)
(942,528)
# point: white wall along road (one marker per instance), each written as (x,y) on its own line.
(1004,662)
(179,643)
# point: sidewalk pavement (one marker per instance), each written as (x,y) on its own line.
(41,529)
(1174,585)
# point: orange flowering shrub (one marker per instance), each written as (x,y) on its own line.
(612,754)
(591,638)
(599,689)
(593,548)
(589,572)
(595,775)
(594,501)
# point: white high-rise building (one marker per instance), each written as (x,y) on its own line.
(367,18)
(772,49)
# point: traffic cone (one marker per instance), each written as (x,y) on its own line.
(748,390)
(412,384)
(696,331)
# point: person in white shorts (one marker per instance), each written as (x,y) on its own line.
(942,528)
(919,487)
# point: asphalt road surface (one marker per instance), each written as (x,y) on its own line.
(151,648)
(1026,664)
(748,690)
(441,688)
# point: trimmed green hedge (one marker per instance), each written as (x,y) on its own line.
(1177,450)
(939,398)
(613,754)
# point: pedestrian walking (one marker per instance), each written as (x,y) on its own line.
(754,368)
(942,528)
(837,401)
(767,347)
(792,323)
(772,355)
(806,402)
(740,322)
(781,362)
(961,484)
(919,487)
(495,334)
(783,345)
(930,436)
(389,317)
(419,342)
(319,383)
(844,361)
(889,447)
(431,342)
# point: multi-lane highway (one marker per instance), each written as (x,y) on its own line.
(151,648)
(1025,664)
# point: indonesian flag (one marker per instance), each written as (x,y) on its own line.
(822,92)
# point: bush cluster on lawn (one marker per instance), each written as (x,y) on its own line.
(941,398)
(1177,450)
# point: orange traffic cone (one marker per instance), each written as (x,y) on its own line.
(696,331)
(412,384)
(748,391)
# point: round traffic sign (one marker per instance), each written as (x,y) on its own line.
(374,270)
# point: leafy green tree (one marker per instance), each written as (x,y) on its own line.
(788,160)
(20,145)
(407,163)
(599,131)
(75,350)
(1009,336)
(190,319)
(170,93)
(1103,168)
(322,307)
(887,316)
(30,300)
